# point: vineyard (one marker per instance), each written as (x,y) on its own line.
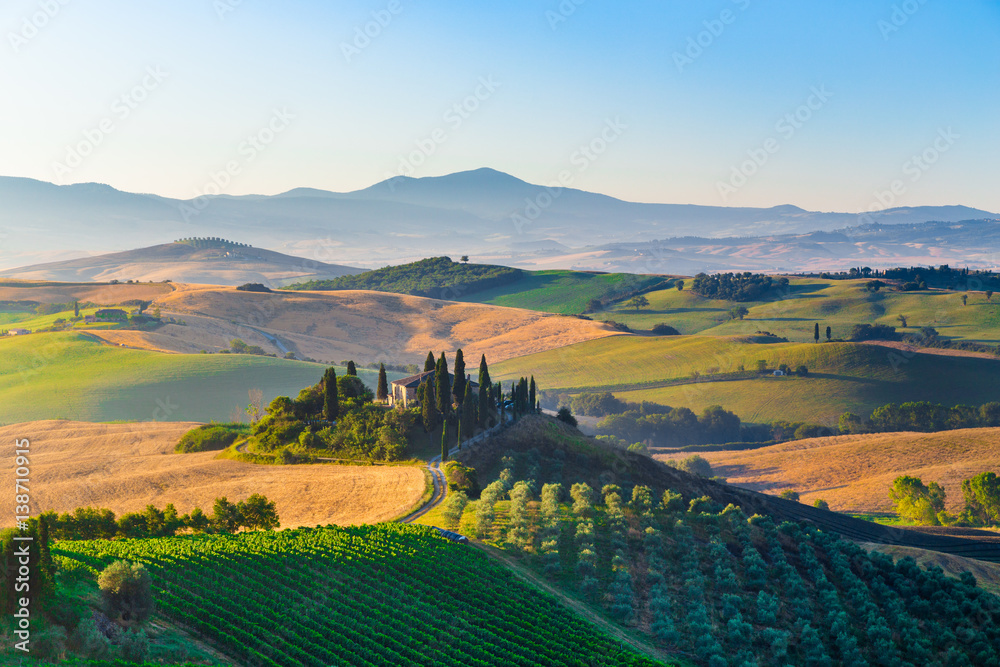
(710,584)
(385,594)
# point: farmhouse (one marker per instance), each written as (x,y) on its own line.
(404,390)
(17,332)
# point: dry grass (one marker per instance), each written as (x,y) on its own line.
(359,324)
(124,467)
(854,472)
(66,293)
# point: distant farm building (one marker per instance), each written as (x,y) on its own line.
(17,332)
(779,373)
(110,315)
(404,391)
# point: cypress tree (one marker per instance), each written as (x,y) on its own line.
(331,406)
(382,392)
(45,563)
(828,333)
(443,384)
(444,441)
(352,369)
(459,385)
(76,308)
(428,411)
(468,413)
(484,404)
(816,332)
(429,364)
(484,372)
(531,394)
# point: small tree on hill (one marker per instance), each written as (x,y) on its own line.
(829,333)
(76,307)
(989,294)
(226,516)
(965,299)
(593,305)
(464,258)
(258,513)
(902,320)
(738,312)
(382,391)
(352,369)
(444,441)
(532,389)
(429,363)
(564,415)
(816,332)
(680,285)
(127,592)
(468,413)
(331,405)
(484,404)
(637,302)
(428,407)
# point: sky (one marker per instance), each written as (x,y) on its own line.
(847,106)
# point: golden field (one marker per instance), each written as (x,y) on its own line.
(854,472)
(124,467)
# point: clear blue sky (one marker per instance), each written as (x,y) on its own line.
(895,83)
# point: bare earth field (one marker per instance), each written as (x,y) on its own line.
(124,467)
(366,326)
(854,472)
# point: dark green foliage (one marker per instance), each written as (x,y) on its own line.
(829,333)
(564,415)
(126,592)
(664,330)
(253,287)
(428,405)
(483,411)
(922,416)
(436,277)
(442,386)
(382,391)
(861,332)
(597,404)
(331,401)
(459,388)
(352,369)
(445,445)
(208,437)
(430,362)
(462,478)
(484,372)
(469,406)
(532,390)
(982,498)
(735,286)
(816,332)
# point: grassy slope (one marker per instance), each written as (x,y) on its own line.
(555,291)
(843,376)
(68,375)
(839,304)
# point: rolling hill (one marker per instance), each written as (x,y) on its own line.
(124,467)
(839,304)
(685,371)
(853,473)
(222,264)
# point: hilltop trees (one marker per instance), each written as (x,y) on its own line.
(982,498)
(442,385)
(735,286)
(352,369)
(428,405)
(429,363)
(816,332)
(829,333)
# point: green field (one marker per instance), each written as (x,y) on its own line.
(839,304)
(565,292)
(68,375)
(842,376)
(31,321)
(388,594)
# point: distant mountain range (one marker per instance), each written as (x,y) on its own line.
(484,213)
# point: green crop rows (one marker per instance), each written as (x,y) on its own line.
(387,594)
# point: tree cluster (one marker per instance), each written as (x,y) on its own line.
(921,416)
(924,503)
(435,277)
(735,286)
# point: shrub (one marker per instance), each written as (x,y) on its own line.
(253,287)
(126,590)
(208,437)
(134,646)
(564,415)
(664,330)
(821,504)
(788,494)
